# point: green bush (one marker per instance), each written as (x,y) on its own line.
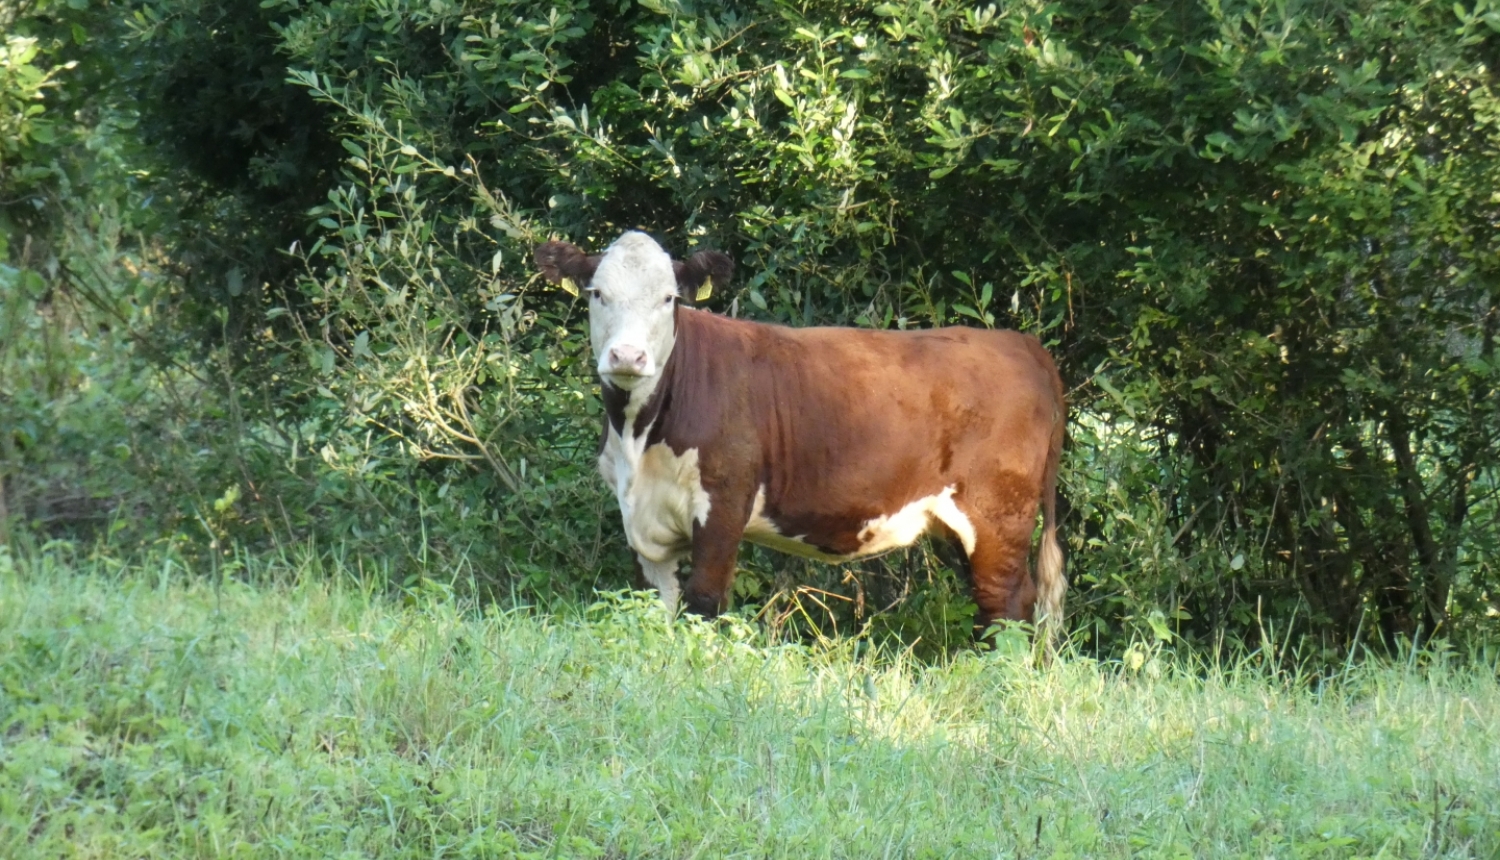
(1257,235)
(82,412)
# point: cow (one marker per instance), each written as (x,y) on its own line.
(829,443)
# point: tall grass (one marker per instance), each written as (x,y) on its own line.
(292,709)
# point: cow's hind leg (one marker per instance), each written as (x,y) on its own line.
(1002,585)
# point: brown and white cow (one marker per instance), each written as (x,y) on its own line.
(830,443)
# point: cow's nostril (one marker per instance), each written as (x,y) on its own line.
(627,358)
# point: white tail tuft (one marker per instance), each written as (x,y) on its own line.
(1051,582)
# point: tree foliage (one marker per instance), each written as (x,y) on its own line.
(1259,235)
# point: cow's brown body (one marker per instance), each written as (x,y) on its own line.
(840,443)
(839,427)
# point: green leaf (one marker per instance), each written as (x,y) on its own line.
(1115,395)
(1158,623)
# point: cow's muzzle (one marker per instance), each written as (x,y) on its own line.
(626,364)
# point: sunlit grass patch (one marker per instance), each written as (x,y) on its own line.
(149,712)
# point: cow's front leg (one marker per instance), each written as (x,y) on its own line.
(716,546)
(661,575)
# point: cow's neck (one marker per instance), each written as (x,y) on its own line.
(637,415)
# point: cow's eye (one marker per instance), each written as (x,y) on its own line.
(669,299)
(595,295)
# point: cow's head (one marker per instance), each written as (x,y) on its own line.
(633,290)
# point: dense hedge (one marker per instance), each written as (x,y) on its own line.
(1259,236)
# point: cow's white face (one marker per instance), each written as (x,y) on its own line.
(632,309)
(633,288)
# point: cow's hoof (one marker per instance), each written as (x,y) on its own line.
(705,605)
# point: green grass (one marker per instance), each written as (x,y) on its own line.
(147,713)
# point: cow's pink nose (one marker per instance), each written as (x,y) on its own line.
(627,359)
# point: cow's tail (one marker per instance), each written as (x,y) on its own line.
(1051,581)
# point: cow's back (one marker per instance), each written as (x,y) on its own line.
(843,426)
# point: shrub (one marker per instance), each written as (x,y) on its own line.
(1258,236)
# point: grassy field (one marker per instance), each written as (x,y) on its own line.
(146,712)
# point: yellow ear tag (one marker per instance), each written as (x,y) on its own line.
(568,286)
(705,291)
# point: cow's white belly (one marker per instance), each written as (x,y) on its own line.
(660,493)
(760,530)
(877,536)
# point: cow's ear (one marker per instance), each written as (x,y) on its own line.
(700,274)
(562,263)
